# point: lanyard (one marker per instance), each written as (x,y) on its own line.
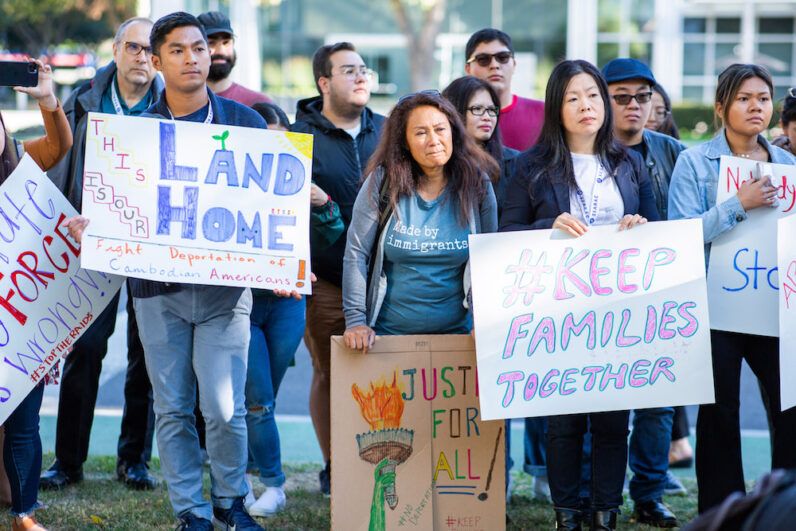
(208,119)
(115,100)
(590,214)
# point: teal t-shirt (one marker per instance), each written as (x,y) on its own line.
(425,254)
(106,104)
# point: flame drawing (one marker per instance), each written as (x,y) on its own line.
(386,446)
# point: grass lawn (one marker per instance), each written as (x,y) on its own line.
(101,502)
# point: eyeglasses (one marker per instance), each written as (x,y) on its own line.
(351,72)
(485,59)
(429,92)
(624,99)
(133,48)
(479,110)
(661,113)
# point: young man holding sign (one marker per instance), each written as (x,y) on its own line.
(744,105)
(196,334)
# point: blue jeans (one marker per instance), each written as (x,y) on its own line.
(649,452)
(277,325)
(198,336)
(535,446)
(22,453)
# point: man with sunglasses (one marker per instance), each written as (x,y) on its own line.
(490,56)
(630,85)
(345,133)
(127,86)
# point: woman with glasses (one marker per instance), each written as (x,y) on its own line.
(427,190)
(22,444)
(744,106)
(479,108)
(787,121)
(575,177)
(661,119)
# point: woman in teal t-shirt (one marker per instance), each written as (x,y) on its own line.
(407,250)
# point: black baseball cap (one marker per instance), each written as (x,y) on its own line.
(625,68)
(215,22)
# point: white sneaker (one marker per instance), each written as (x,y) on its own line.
(541,489)
(271,502)
(250,499)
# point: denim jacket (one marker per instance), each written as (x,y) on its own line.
(694,186)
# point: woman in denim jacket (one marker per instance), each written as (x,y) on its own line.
(744,106)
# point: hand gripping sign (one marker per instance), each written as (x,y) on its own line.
(197,203)
(46,300)
(608,321)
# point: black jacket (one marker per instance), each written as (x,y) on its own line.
(337,165)
(662,152)
(537,196)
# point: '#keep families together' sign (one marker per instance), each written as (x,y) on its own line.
(184,202)
(608,321)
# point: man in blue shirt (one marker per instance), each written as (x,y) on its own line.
(196,335)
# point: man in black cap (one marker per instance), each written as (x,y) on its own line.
(221,40)
(630,87)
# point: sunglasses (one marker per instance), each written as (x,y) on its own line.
(134,49)
(485,59)
(625,99)
(479,110)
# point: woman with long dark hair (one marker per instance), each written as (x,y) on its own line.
(575,177)
(22,444)
(479,108)
(744,107)
(428,174)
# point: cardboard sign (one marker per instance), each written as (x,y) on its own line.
(609,321)
(46,300)
(742,272)
(786,259)
(194,203)
(409,447)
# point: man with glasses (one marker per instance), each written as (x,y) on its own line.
(630,85)
(490,56)
(346,133)
(127,86)
(221,40)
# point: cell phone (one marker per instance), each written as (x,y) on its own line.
(19,74)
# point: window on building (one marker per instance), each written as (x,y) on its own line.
(774,49)
(625,29)
(710,44)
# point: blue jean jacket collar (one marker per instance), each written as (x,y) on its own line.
(718,146)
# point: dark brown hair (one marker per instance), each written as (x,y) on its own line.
(459,93)
(322,59)
(730,82)
(9,157)
(464,171)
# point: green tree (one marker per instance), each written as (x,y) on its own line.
(33,27)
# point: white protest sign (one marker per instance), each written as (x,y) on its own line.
(194,203)
(46,300)
(608,321)
(742,273)
(786,259)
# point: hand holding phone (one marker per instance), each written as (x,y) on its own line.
(43,90)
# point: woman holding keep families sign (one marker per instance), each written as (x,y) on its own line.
(575,177)
(744,106)
(22,446)
(427,191)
